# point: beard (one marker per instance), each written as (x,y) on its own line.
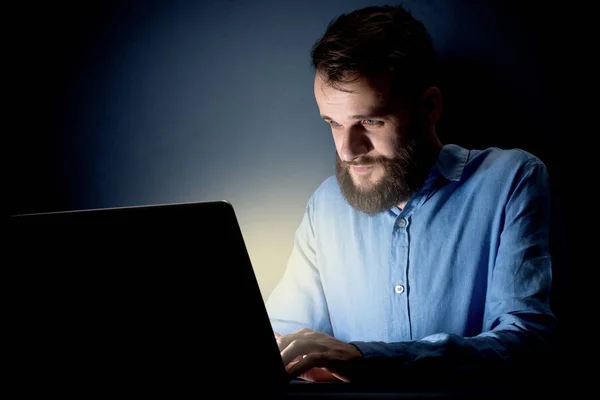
(403,175)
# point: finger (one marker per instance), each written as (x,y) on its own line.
(300,347)
(313,360)
(338,375)
(280,340)
(284,340)
(319,375)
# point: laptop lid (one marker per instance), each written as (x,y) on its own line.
(141,300)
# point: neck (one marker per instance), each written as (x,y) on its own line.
(431,150)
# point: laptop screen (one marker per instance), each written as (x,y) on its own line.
(144,299)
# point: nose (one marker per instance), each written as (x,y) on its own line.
(353,143)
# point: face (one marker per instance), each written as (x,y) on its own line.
(377,143)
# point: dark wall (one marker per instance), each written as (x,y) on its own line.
(132,102)
(129,102)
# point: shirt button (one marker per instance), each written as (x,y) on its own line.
(401,222)
(399,289)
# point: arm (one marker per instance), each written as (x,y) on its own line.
(518,322)
(298,300)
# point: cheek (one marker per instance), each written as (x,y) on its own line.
(337,141)
(385,145)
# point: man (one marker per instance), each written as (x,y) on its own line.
(417,256)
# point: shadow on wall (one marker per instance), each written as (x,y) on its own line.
(483,108)
(486,106)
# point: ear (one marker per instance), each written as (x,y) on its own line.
(432,105)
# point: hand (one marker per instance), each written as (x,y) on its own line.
(316,356)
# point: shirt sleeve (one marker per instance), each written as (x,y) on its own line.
(518,321)
(298,300)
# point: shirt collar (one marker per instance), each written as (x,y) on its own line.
(452,160)
(450,164)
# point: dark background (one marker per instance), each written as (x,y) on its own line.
(137,102)
(117,103)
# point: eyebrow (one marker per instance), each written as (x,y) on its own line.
(372,116)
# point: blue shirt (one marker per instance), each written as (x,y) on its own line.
(463,271)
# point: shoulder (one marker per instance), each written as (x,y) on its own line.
(328,189)
(328,199)
(503,157)
(500,163)
(328,192)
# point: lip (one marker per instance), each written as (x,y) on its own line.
(362,169)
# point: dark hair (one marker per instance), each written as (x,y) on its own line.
(377,42)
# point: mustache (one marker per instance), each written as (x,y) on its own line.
(365,161)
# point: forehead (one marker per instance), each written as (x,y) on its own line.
(360,96)
(360,88)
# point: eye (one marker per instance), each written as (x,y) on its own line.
(372,122)
(334,124)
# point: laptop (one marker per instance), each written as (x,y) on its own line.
(155,300)
(142,300)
